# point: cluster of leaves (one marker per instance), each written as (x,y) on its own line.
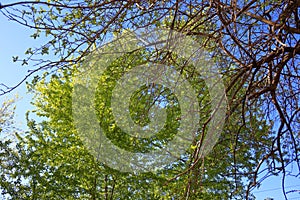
(52,162)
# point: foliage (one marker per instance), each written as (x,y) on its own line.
(255,45)
(55,164)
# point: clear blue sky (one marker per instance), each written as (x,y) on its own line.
(15,40)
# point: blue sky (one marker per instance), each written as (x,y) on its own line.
(15,40)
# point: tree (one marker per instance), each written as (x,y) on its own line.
(7,111)
(9,159)
(255,43)
(58,165)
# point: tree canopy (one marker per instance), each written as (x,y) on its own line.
(253,44)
